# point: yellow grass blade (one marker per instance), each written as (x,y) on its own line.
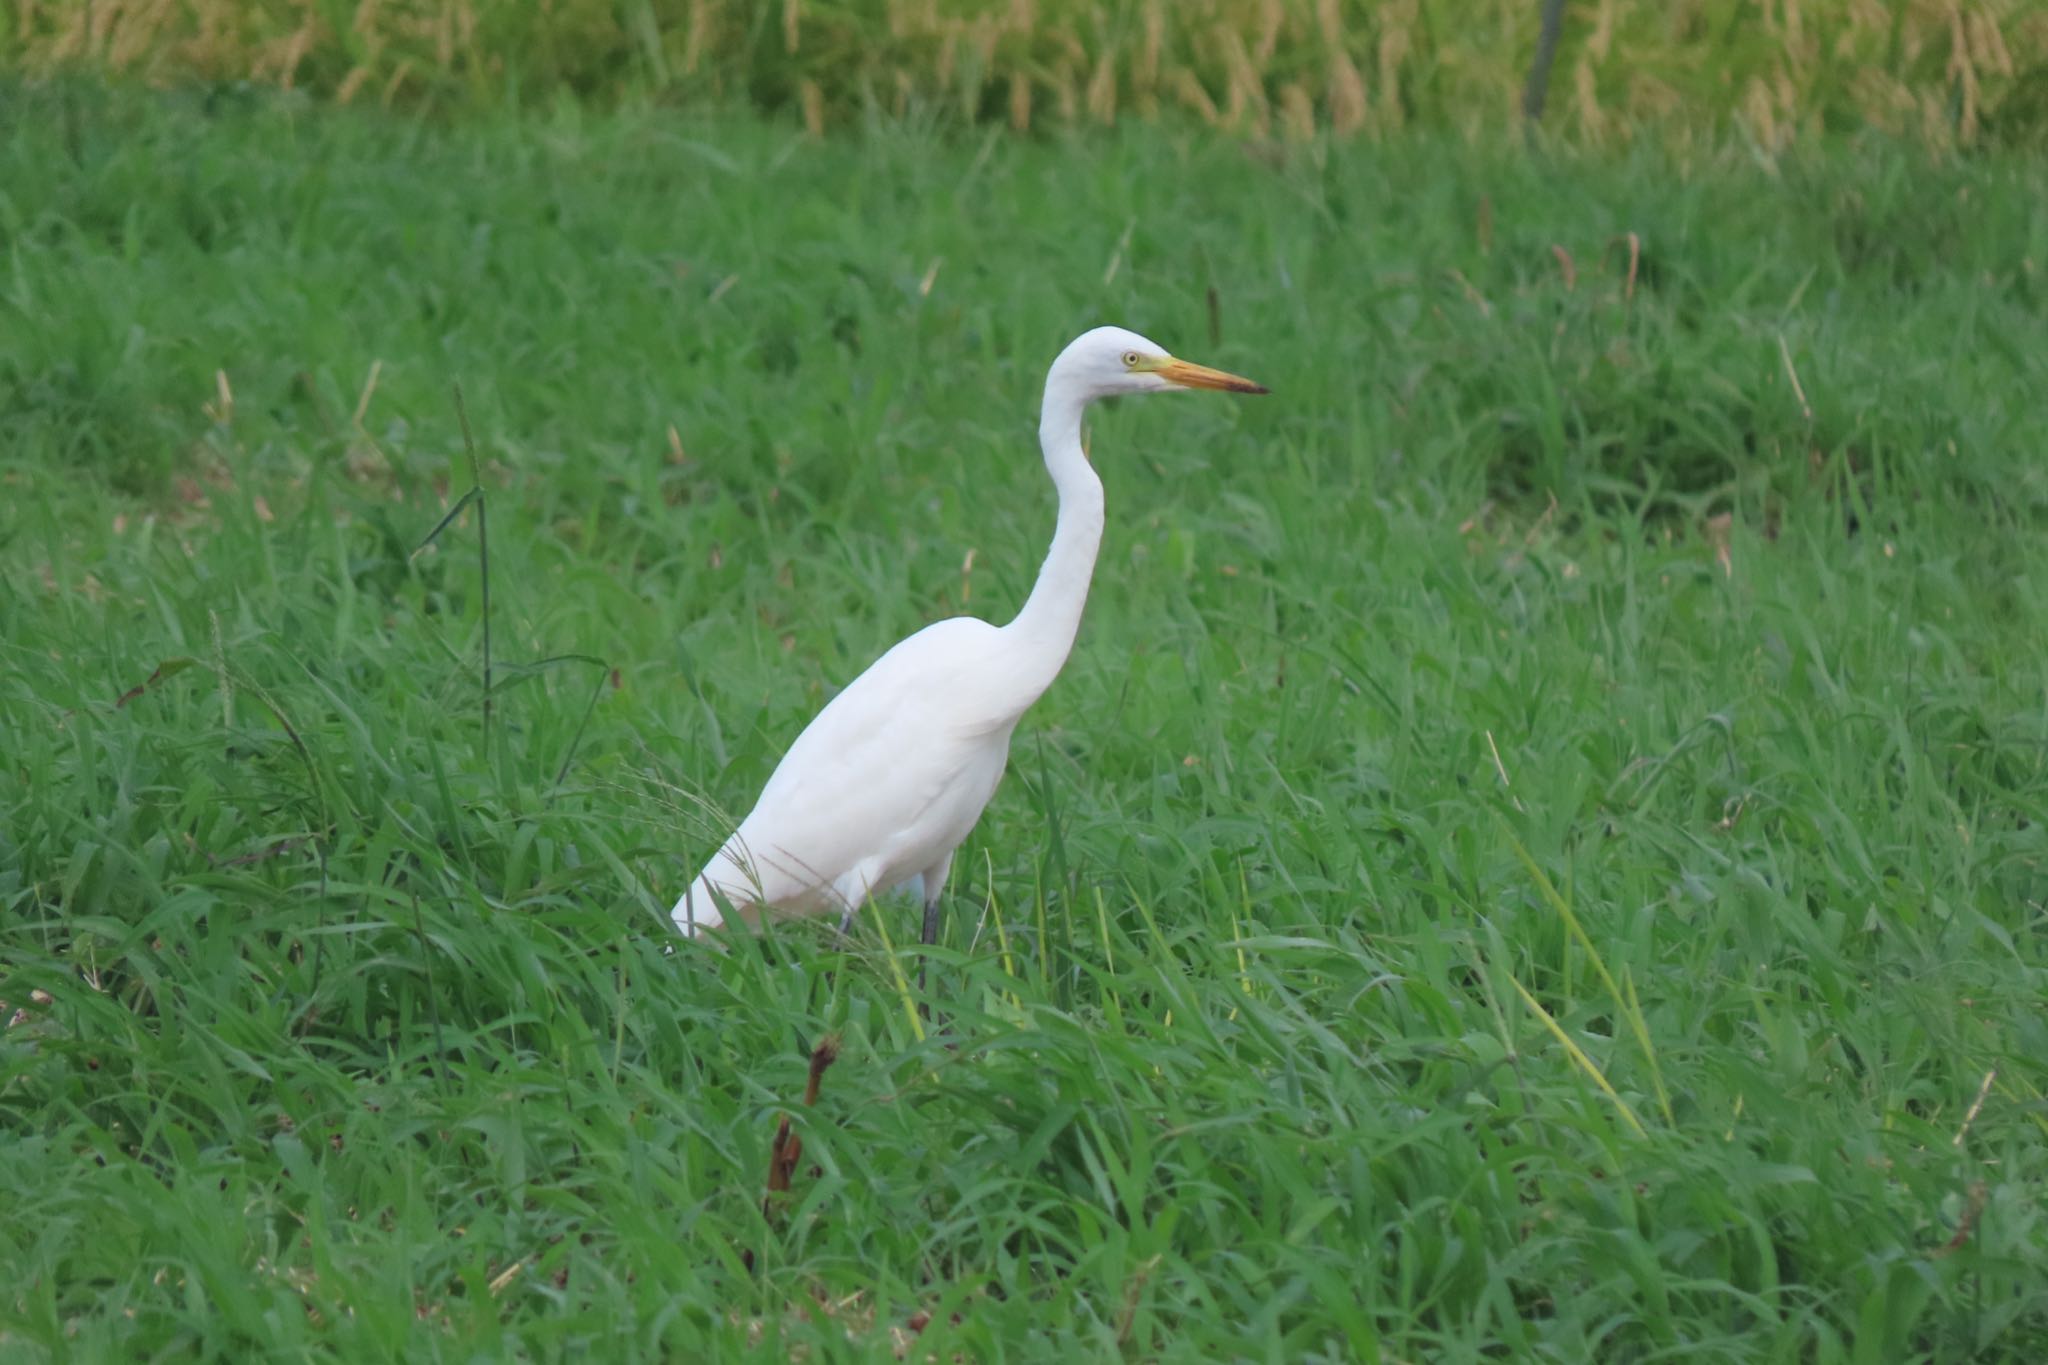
(1577,1054)
(1625,1003)
(995,915)
(903,991)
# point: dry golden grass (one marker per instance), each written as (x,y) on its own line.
(1950,72)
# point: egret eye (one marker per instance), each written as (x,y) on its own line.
(1130,360)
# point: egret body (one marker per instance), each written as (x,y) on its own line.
(884,784)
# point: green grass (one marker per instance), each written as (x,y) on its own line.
(1536,695)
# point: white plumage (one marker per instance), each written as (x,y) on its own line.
(888,779)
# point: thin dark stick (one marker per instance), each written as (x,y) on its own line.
(319,925)
(1534,92)
(483,538)
(603,675)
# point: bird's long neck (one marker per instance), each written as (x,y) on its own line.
(1044,630)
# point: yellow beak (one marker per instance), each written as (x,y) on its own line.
(1192,376)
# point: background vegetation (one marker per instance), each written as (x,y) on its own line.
(1538,853)
(1946,72)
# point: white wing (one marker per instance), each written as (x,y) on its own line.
(887,779)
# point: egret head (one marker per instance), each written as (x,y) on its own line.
(1110,360)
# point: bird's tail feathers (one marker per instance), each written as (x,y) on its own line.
(729,882)
(698,910)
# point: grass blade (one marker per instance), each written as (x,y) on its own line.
(1579,1057)
(1626,1006)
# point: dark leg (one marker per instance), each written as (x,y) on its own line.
(932,882)
(931,936)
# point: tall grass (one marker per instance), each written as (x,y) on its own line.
(1948,72)
(1538,852)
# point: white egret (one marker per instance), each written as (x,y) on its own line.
(885,783)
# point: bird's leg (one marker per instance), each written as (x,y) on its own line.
(846,920)
(931,936)
(932,882)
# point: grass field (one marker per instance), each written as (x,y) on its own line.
(1538,852)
